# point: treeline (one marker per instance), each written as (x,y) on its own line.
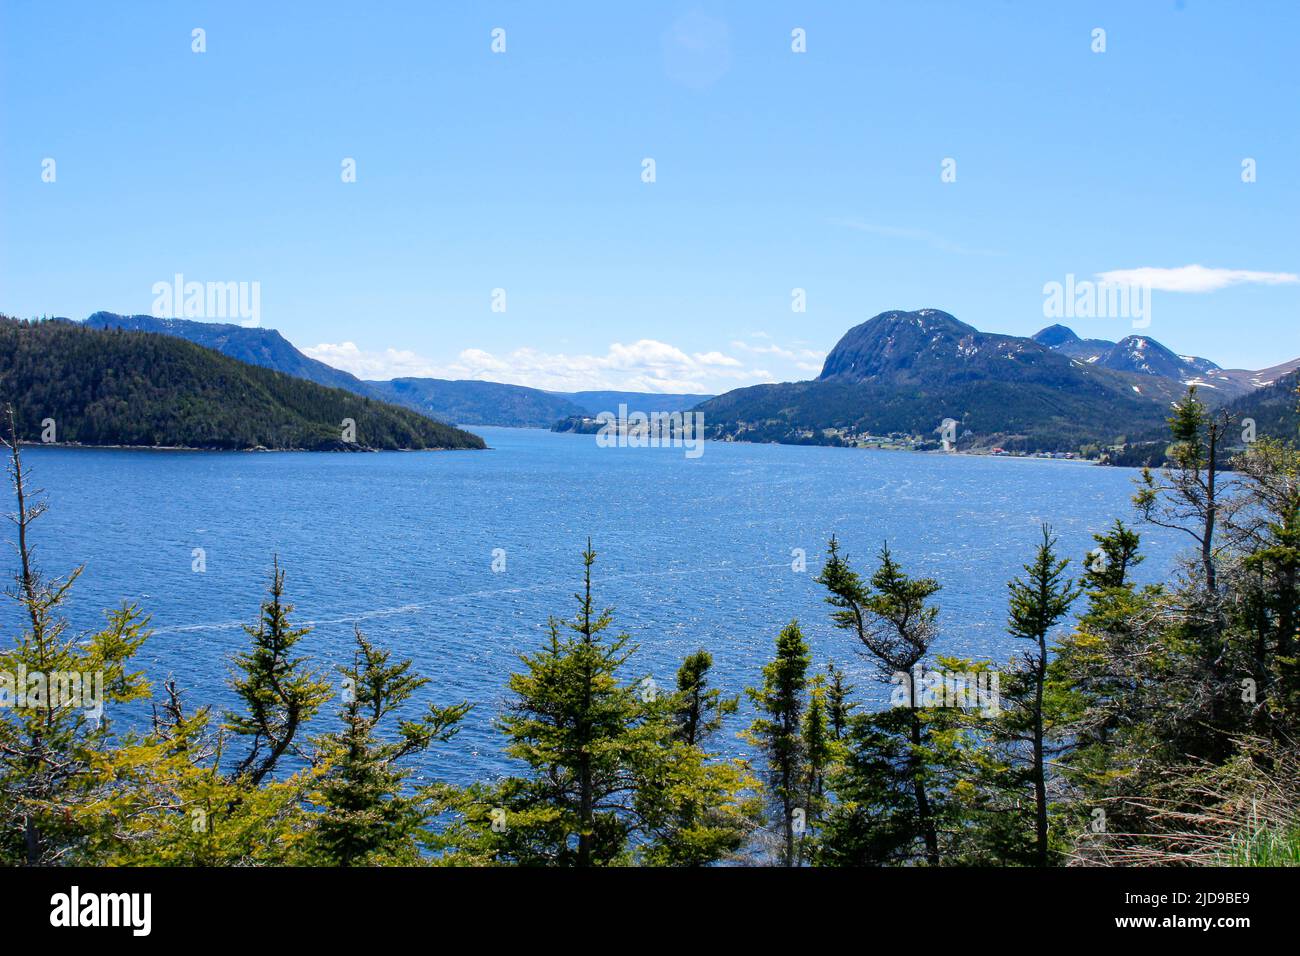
(1029,415)
(1152,724)
(113,387)
(1268,412)
(1272,408)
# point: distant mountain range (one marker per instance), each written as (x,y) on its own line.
(903,373)
(104,386)
(593,403)
(1143,355)
(898,374)
(456,402)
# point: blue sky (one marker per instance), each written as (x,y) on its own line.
(774,170)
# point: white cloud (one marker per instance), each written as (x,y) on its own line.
(717,358)
(1194,278)
(646,365)
(390,363)
(805,360)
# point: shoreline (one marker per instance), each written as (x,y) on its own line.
(718,441)
(255,450)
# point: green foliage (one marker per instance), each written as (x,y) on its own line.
(874,820)
(1030,711)
(612,777)
(168,803)
(893,620)
(699,710)
(1264,847)
(112,387)
(778,733)
(1041,598)
(55,686)
(1116,554)
(366,817)
(1159,728)
(279,691)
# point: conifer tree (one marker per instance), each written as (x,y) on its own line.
(279,691)
(699,710)
(1037,602)
(777,732)
(1263,527)
(609,776)
(895,623)
(839,705)
(578,728)
(171,805)
(819,752)
(55,691)
(694,805)
(366,816)
(1108,566)
(1092,678)
(1188,495)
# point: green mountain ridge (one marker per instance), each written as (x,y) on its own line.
(1272,408)
(452,401)
(473,402)
(135,388)
(251,344)
(905,372)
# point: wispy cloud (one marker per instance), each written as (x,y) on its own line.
(697,50)
(914,235)
(806,360)
(1195,278)
(646,365)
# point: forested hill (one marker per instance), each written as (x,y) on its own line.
(112,387)
(905,372)
(256,346)
(1273,408)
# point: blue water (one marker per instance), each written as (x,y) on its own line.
(692,552)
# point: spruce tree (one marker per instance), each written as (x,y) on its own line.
(1037,602)
(58,753)
(693,802)
(699,710)
(1188,494)
(819,752)
(839,705)
(1263,528)
(895,622)
(1116,554)
(778,733)
(279,691)
(1093,680)
(366,814)
(605,764)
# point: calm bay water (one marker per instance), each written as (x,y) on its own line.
(692,552)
